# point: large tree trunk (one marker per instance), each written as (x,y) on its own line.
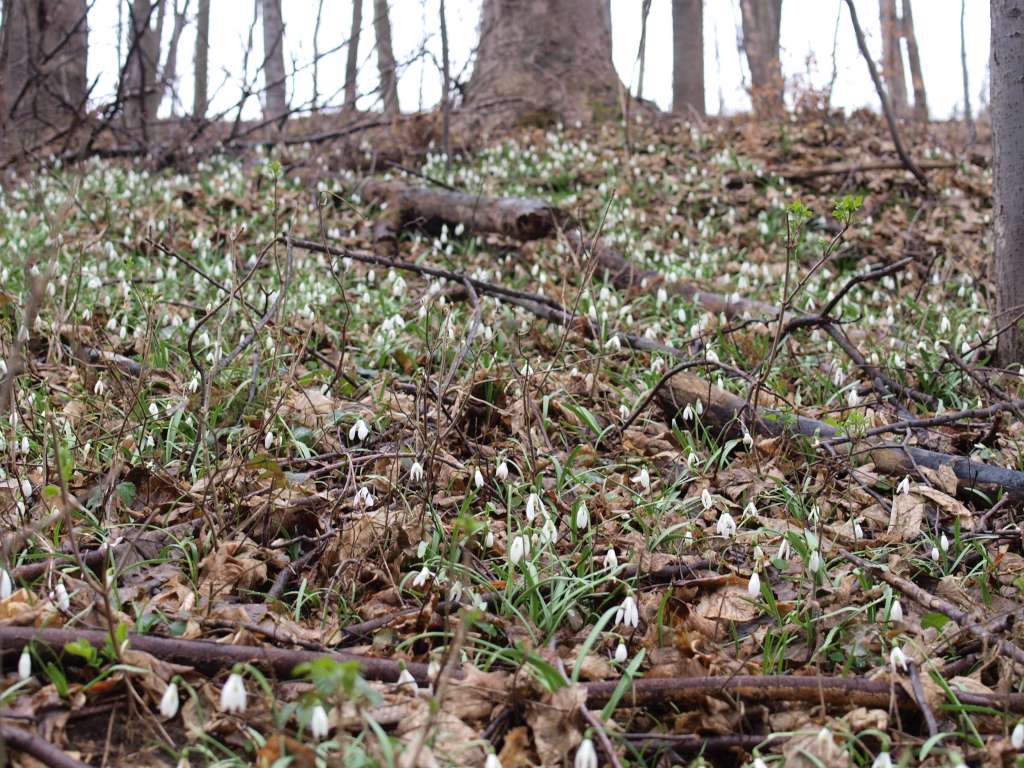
(352,62)
(276,105)
(914,57)
(143,59)
(545,60)
(1008,176)
(762,22)
(645,10)
(202,59)
(385,57)
(892,57)
(688,56)
(43,86)
(169,72)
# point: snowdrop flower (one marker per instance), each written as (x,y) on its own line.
(904,485)
(6,587)
(586,755)
(754,585)
(60,597)
(692,460)
(26,487)
(169,701)
(706,500)
(478,479)
(784,549)
(748,440)
(611,560)
(489,539)
(533,505)
(233,697)
(421,549)
(25,664)
(1017,737)
(548,532)
(268,440)
(726,525)
(623,411)
(621,653)
(935,554)
(643,479)
(758,763)
(814,563)
(98,387)
(492,761)
(687,413)
(502,472)
(582,516)
(627,614)
(750,510)
(406,680)
(422,578)
(852,398)
(154,411)
(364,497)
(944,543)
(359,431)
(897,658)
(520,548)
(416,472)
(896,611)
(613,344)
(318,722)
(944,325)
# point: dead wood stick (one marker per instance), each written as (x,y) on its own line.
(840,169)
(34,746)
(926,599)
(725,411)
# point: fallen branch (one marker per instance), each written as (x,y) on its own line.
(837,169)
(24,741)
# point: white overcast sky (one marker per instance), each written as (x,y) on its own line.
(808,28)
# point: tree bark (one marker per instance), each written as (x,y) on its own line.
(43,59)
(385,58)
(542,61)
(1008,172)
(352,61)
(143,58)
(202,61)
(688,56)
(914,57)
(762,22)
(892,57)
(968,114)
(169,72)
(645,10)
(445,93)
(276,105)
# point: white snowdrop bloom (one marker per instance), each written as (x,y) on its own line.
(611,560)
(60,597)
(814,562)
(582,516)
(621,653)
(758,763)
(627,614)
(478,478)
(858,531)
(896,611)
(519,549)
(643,479)
(784,550)
(502,472)
(586,755)
(364,497)
(406,680)
(455,592)
(754,585)
(944,542)
(662,296)
(492,761)
(6,587)
(936,555)
(421,548)
(882,761)
(169,701)
(359,431)
(233,697)
(416,472)
(24,447)
(99,387)
(319,725)
(897,658)
(852,398)
(26,487)
(1017,737)
(748,439)
(944,325)
(422,578)
(904,485)
(154,411)
(268,440)
(687,413)
(726,525)
(489,539)
(750,510)
(613,344)
(533,506)
(548,531)
(25,664)
(706,499)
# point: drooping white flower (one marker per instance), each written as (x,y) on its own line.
(25,664)
(416,472)
(621,653)
(233,697)
(754,585)
(936,554)
(502,472)
(643,479)
(687,413)
(611,560)
(758,763)
(726,525)
(904,485)
(478,478)
(169,701)
(706,499)
(582,516)
(533,506)
(897,658)
(422,578)
(586,755)
(944,543)
(359,431)
(492,761)
(98,387)
(628,614)
(489,539)
(406,680)
(60,597)
(519,549)
(814,562)
(1017,737)
(882,761)
(896,611)
(154,411)
(319,725)
(6,587)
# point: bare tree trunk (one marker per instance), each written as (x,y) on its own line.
(914,57)
(541,61)
(892,57)
(445,93)
(688,56)
(645,10)
(202,61)
(169,72)
(762,22)
(968,114)
(1008,173)
(143,60)
(316,55)
(43,59)
(385,57)
(276,104)
(352,63)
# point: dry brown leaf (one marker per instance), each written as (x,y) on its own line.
(948,504)
(231,566)
(555,723)
(730,603)
(906,517)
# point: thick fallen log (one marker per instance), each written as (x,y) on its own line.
(729,414)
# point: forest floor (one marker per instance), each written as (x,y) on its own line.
(408,503)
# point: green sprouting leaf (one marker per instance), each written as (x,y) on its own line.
(84,650)
(126,491)
(935,620)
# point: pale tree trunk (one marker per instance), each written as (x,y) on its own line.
(762,22)
(275,107)
(202,61)
(645,10)
(445,92)
(385,57)
(143,59)
(688,56)
(968,114)
(892,58)
(352,62)
(1007,106)
(316,56)
(914,58)
(169,72)
(43,57)
(540,61)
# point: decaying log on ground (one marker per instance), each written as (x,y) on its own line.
(729,413)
